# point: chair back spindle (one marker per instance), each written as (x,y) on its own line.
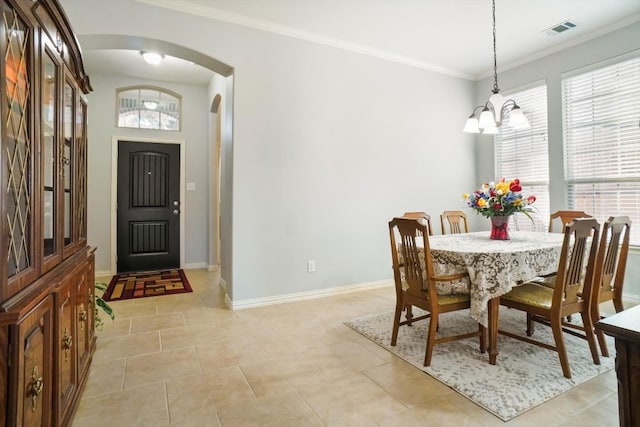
(415,284)
(565,218)
(610,269)
(456,221)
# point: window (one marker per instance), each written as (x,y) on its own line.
(146,107)
(524,154)
(602,141)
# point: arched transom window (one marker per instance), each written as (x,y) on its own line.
(148,107)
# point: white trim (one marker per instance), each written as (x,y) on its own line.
(601,64)
(283,30)
(560,47)
(214,267)
(194,265)
(530,85)
(278,299)
(114,190)
(228,302)
(103,273)
(633,298)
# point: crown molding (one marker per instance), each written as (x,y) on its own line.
(560,47)
(263,25)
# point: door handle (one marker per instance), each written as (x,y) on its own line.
(175,212)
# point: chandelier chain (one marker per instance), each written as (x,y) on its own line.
(495,60)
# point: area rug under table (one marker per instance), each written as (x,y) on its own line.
(147,284)
(525,375)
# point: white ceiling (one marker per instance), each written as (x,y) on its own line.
(449,36)
(130,63)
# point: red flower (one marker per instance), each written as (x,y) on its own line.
(497,206)
(515,187)
(531,199)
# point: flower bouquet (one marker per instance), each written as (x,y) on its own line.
(498,201)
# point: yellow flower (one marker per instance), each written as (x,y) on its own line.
(482,203)
(503,187)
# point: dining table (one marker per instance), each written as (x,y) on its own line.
(494,267)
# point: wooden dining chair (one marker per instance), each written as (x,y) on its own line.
(422,216)
(565,218)
(573,293)
(415,284)
(457,221)
(610,267)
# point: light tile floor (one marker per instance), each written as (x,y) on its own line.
(187,360)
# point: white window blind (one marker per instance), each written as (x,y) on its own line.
(602,142)
(524,154)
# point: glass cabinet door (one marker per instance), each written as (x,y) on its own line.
(17,146)
(81,147)
(67,162)
(49,155)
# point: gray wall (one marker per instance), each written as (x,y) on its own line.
(102,128)
(327,146)
(550,69)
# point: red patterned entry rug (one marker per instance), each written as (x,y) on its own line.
(147,284)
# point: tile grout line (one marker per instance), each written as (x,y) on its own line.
(166,399)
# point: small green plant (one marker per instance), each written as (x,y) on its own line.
(103,305)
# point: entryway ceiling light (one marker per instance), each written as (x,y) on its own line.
(152,58)
(494,110)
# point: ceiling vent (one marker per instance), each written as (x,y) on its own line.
(560,28)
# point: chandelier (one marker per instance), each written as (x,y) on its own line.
(495,110)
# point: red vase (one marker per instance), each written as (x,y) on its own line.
(500,228)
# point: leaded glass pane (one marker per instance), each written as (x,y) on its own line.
(18,144)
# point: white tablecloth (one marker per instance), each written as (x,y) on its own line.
(495,266)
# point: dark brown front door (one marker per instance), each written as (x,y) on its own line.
(148,206)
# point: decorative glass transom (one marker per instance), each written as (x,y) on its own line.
(146,107)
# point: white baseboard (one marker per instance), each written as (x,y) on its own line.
(259,302)
(213,267)
(195,265)
(633,298)
(104,273)
(228,302)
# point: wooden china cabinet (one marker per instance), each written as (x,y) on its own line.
(47,269)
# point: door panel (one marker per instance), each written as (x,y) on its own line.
(66,347)
(32,385)
(148,206)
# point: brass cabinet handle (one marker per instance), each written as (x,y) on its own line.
(67,342)
(83,317)
(35,387)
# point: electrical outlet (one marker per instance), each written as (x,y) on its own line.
(311,266)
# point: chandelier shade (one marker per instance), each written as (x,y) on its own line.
(490,116)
